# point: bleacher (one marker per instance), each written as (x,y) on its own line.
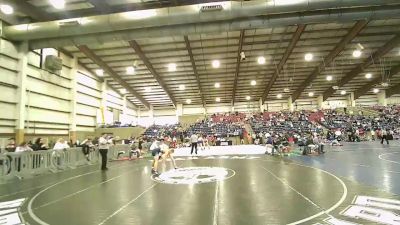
(174,130)
(221,125)
(284,122)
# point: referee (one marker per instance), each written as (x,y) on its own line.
(104,145)
(194,139)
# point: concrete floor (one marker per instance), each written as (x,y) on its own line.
(260,190)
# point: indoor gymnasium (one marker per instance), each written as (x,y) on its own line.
(199,112)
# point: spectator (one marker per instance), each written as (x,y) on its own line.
(61,144)
(10,147)
(39,145)
(23,147)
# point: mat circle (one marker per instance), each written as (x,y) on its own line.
(194,175)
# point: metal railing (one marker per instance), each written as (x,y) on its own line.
(28,164)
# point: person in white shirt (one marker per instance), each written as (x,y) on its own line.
(338,133)
(372,134)
(23,147)
(194,139)
(61,144)
(104,145)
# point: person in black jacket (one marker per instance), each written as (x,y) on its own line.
(39,145)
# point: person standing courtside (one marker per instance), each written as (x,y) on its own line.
(194,139)
(384,136)
(104,145)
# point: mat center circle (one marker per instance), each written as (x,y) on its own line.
(194,175)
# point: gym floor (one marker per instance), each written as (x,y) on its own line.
(257,189)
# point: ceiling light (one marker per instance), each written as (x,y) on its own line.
(171,67)
(261,60)
(217,85)
(375,90)
(356,53)
(286,90)
(253,82)
(181,87)
(308,57)
(335,87)
(279,95)
(343,92)
(99,72)
(329,78)
(368,75)
(248,98)
(310,94)
(283,2)
(7,9)
(215,63)
(122,91)
(58,4)
(147,89)
(24,27)
(188,101)
(141,14)
(70,22)
(130,70)
(217,99)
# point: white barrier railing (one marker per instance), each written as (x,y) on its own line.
(26,164)
(117,151)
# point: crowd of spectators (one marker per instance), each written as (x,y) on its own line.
(362,127)
(174,130)
(280,130)
(217,128)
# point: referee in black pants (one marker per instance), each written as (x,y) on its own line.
(104,145)
(194,139)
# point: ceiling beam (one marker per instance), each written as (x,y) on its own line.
(364,89)
(393,91)
(353,32)
(96,59)
(296,37)
(150,67)
(189,49)
(392,43)
(238,60)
